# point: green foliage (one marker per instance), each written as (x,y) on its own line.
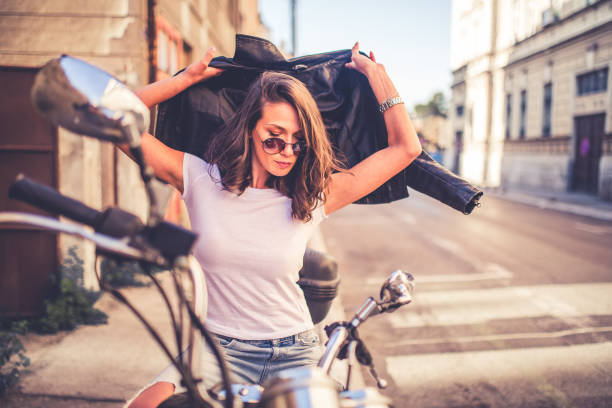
(435,106)
(73,306)
(121,273)
(12,360)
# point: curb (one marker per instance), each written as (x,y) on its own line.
(554,203)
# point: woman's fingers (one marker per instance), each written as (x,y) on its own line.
(354,54)
(200,70)
(213,72)
(358,61)
(208,56)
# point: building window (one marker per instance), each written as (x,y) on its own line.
(169,49)
(508,115)
(173,58)
(459,111)
(162,51)
(547,110)
(523,114)
(592,82)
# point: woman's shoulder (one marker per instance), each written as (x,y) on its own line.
(196,165)
(195,170)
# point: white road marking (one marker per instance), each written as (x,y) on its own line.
(450,246)
(407,218)
(475,306)
(498,366)
(491,271)
(501,337)
(593,229)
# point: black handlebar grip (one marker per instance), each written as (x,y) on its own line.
(172,240)
(49,199)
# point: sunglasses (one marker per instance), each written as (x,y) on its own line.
(273,145)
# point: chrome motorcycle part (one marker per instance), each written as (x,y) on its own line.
(396,291)
(87,100)
(304,387)
(365,398)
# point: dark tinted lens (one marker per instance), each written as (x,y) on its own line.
(273,145)
(299,147)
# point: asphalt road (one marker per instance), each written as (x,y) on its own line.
(512,308)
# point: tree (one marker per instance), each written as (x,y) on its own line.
(435,106)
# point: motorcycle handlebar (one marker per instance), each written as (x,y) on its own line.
(49,199)
(113,222)
(105,243)
(169,239)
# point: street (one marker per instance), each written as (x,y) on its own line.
(512,306)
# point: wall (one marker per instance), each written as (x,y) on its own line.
(535,171)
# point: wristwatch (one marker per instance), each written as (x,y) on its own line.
(394,100)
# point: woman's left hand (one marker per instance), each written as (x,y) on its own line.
(360,62)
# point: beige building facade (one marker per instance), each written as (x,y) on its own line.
(531,102)
(137,41)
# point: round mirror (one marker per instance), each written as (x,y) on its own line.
(87,100)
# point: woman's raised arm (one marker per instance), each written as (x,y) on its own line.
(167,163)
(404,146)
(165,89)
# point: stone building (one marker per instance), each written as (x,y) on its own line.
(531,105)
(135,40)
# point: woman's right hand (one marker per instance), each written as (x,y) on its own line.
(200,71)
(165,89)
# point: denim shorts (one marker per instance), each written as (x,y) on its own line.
(254,361)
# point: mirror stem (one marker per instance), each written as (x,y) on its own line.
(133,137)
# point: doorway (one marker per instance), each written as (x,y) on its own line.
(28,144)
(589,134)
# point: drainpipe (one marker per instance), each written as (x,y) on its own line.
(293,28)
(151,41)
(491,84)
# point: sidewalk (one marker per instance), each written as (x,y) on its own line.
(95,366)
(104,366)
(570,202)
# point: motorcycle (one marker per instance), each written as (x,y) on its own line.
(86,100)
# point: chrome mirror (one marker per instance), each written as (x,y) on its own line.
(396,291)
(85,99)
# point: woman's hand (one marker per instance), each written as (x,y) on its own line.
(165,89)
(200,71)
(360,62)
(404,146)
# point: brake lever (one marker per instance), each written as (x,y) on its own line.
(365,358)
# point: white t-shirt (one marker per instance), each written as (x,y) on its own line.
(251,250)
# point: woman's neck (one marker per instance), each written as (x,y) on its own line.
(259,176)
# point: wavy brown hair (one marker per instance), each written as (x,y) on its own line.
(231,151)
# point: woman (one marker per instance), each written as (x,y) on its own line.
(268,179)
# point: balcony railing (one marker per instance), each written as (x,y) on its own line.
(546,145)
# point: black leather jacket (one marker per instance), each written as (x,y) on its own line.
(344,97)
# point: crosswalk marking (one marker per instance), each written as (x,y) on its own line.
(491,271)
(500,337)
(593,229)
(499,365)
(477,306)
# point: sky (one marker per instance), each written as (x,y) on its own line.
(411,38)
